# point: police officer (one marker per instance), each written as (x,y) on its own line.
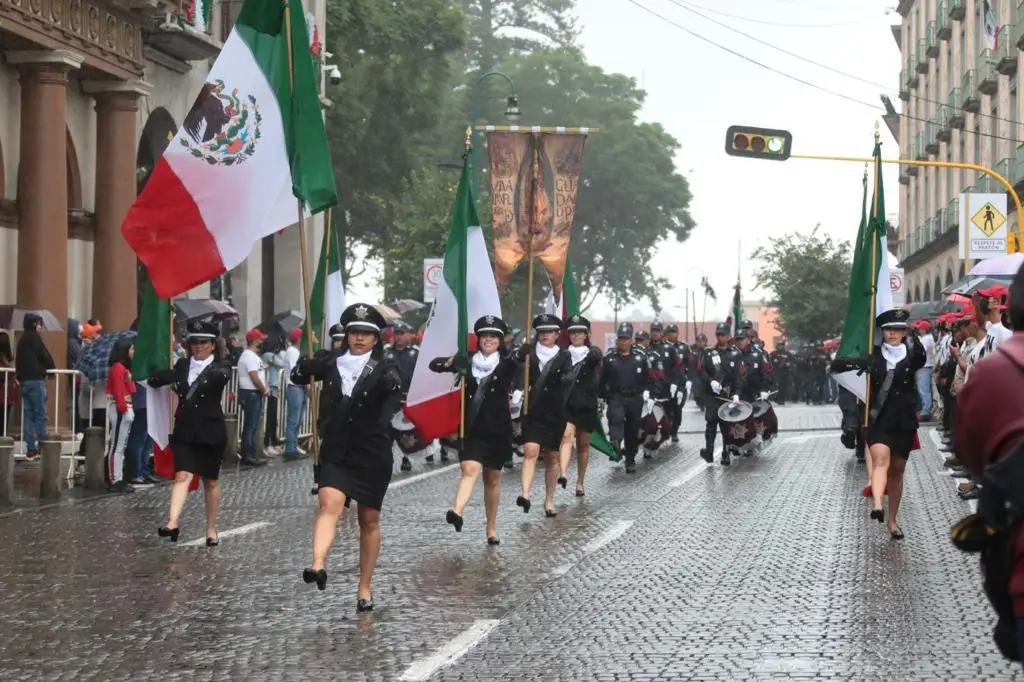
(403,352)
(624,378)
(642,341)
(700,345)
(721,377)
(782,367)
(674,353)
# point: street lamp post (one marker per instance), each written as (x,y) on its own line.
(512,113)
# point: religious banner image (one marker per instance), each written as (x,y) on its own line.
(534,182)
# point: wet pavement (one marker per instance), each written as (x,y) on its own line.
(683,571)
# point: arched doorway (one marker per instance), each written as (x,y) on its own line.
(156,135)
(937,288)
(917,293)
(949,276)
(927,292)
(962,273)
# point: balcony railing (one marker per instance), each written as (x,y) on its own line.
(927,232)
(953,214)
(987,78)
(956,114)
(940,222)
(1008,169)
(1006,51)
(904,86)
(969,99)
(911,70)
(186,32)
(922,57)
(944,29)
(943,129)
(931,142)
(957,9)
(931,41)
(982,185)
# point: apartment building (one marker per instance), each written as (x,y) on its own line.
(961,102)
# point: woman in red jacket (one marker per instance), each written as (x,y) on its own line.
(120,415)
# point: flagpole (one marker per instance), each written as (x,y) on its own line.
(534,182)
(462,377)
(874,275)
(303,257)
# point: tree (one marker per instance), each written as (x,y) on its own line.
(395,60)
(808,276)
(536,25)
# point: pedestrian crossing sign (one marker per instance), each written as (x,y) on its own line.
(988,219)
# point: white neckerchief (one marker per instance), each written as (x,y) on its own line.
(545,354)
(196,367)
(483,365)
(350,367)
(578,353)
(893,354)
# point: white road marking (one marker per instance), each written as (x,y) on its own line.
(419,477)
(611,535)
(241,530)
(692,473)
(933,433)
(421,670)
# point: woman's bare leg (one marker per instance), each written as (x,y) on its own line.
(211,496)
(325,526)
(492,493)
(582,457)
(469,472)
(179,493)
(369,549)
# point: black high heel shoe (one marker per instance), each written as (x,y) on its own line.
(318,577)
(212,542)
(493,541)
(563,481)
(364,605)
(550,513)
(897,534)
(579,493)
(454,519)
(165,532)
(524,503)
(878,515)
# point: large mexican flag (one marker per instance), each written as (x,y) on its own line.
(466,292)
(869,279)
(252,147)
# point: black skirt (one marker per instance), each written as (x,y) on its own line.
(201,460)
(900,442)
(365,485)
(585,420)
(492,453)
(544,429)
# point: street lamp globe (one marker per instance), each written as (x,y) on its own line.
(512,112)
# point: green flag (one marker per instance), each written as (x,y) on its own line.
(737,308)
(327,299)
(153,344)
(869,282)
(571,301)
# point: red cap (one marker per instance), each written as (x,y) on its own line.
(295,334)
(923,324)
(967,313)
(998,292)
(254,335)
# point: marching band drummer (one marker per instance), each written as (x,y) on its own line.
(892,425)
(361,392)
(488,430)
(545,418)
(580,401)
(200,435)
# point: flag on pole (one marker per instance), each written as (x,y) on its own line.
(466,292)
(990,27)
(327,300)
(737,308)
(253,143)
(153,353)
(871,249)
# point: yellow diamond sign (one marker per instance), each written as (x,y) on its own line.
(988,219)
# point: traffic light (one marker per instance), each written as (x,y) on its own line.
(760,143)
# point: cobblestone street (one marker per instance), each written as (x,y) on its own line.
(684,571)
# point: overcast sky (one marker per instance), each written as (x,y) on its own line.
(695,90)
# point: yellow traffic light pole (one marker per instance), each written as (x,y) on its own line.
(1013,242)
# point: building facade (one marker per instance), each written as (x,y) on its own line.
(961,102)
(91,92)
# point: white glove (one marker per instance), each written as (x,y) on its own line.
(649,406)
(517,398)
(716,387)
(129,415)
(647,396)
(764,395)
(680,397)
(672,390)
(689,387)
(735,399)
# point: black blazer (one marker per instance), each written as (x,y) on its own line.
(549,399)
(199,419)
(490,418)
(581,382)
(899,412)
(355,430)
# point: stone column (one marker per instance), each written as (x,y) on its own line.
(114,299)
(42,187)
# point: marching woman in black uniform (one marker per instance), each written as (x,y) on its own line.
(544,420)
(488,431)
(200,436)
(580,401)
(892,425)
(361,392)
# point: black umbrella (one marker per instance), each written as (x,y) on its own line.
(281,323)
(13,317)
(186,309)
(925,310)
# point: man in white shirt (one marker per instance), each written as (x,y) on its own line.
(251,390)
(295,398)
(992,304)
(924,375)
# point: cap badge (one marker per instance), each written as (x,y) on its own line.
(362,312)
(489,319)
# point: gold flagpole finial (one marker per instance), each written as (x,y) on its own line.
(469,137)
